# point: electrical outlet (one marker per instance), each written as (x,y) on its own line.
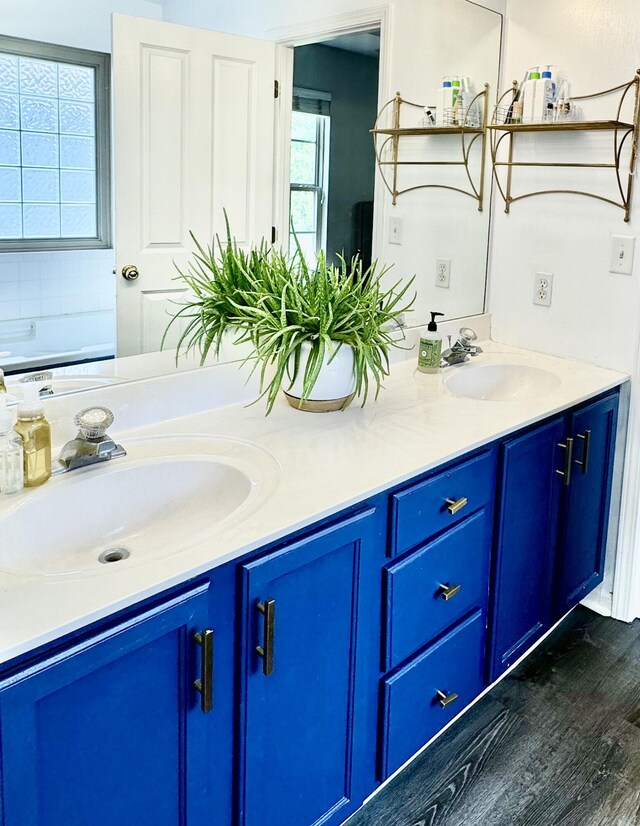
(443,272)
(395,230)
(542,287)
(622,247)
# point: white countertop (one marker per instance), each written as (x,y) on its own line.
(327,462)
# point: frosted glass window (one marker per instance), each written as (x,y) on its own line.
(10,220)
(53,122)
(40,149)
(10,183)
(40,185)
(9,111)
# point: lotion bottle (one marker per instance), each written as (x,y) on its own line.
(430,348)
(444,101)
(11,453)
(36,437)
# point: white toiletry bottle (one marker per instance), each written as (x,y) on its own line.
(444,101)
(430,348)
(544,97)
(11,455)
(529,97)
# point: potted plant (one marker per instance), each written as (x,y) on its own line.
(321,334)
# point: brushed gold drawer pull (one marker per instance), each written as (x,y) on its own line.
(447,592)
(455,505)
(446,699)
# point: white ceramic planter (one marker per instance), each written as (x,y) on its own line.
(334,387)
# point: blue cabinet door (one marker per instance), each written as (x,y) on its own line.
(582,555)
(111,731)
(309,694)
(529,494)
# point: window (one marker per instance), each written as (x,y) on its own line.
(54,147)
(309,171)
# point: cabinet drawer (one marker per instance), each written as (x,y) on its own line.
(418,608)
(413,709)
(424,509)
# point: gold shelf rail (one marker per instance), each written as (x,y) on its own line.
(383,137)
(621,132)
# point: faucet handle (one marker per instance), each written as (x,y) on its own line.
(467,335)
(93,422)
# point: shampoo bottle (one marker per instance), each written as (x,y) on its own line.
(444,101)
(430,348)
(11,454)
(529,97)
(36,437)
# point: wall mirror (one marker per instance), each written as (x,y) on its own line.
(64,300)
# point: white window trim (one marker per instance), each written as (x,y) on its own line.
(323,137)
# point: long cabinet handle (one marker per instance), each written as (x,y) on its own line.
(583,463)
(455,505)
(205,682)
(447,592)
(446,699)
(568,458)
(268,609)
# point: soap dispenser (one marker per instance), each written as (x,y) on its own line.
(36,437)
(11,454)
(430,348)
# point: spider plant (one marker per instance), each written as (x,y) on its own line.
(328,307)
(220,278)
(278,303)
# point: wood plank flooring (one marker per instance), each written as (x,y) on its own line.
(557,743)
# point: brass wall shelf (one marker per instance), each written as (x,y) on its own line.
(385,138)
(621,132)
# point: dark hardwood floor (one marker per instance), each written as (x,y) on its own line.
(557,743)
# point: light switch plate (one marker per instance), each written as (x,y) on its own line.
(395,230)
(622,249)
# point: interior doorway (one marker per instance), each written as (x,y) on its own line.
(332,171)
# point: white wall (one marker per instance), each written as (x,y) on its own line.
(85,24)
(594,314)
(462,39)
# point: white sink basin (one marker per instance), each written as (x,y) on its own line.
(65,383)
(166,495)
(501,382)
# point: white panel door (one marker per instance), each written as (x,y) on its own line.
(193,122)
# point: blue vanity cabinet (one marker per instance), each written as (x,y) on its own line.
(111,730)
(587,498)
(554,491)
(310,666)
(525,542)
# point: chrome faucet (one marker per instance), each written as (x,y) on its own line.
(462,349)
(92,444)
(43,378)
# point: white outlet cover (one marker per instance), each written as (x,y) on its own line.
(443,272)
(542,288)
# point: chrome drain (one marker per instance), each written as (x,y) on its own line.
(113,555)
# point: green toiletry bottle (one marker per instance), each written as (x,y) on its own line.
(430,348)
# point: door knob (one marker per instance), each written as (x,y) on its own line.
(130,272)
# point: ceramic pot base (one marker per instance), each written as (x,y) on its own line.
(319,406)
